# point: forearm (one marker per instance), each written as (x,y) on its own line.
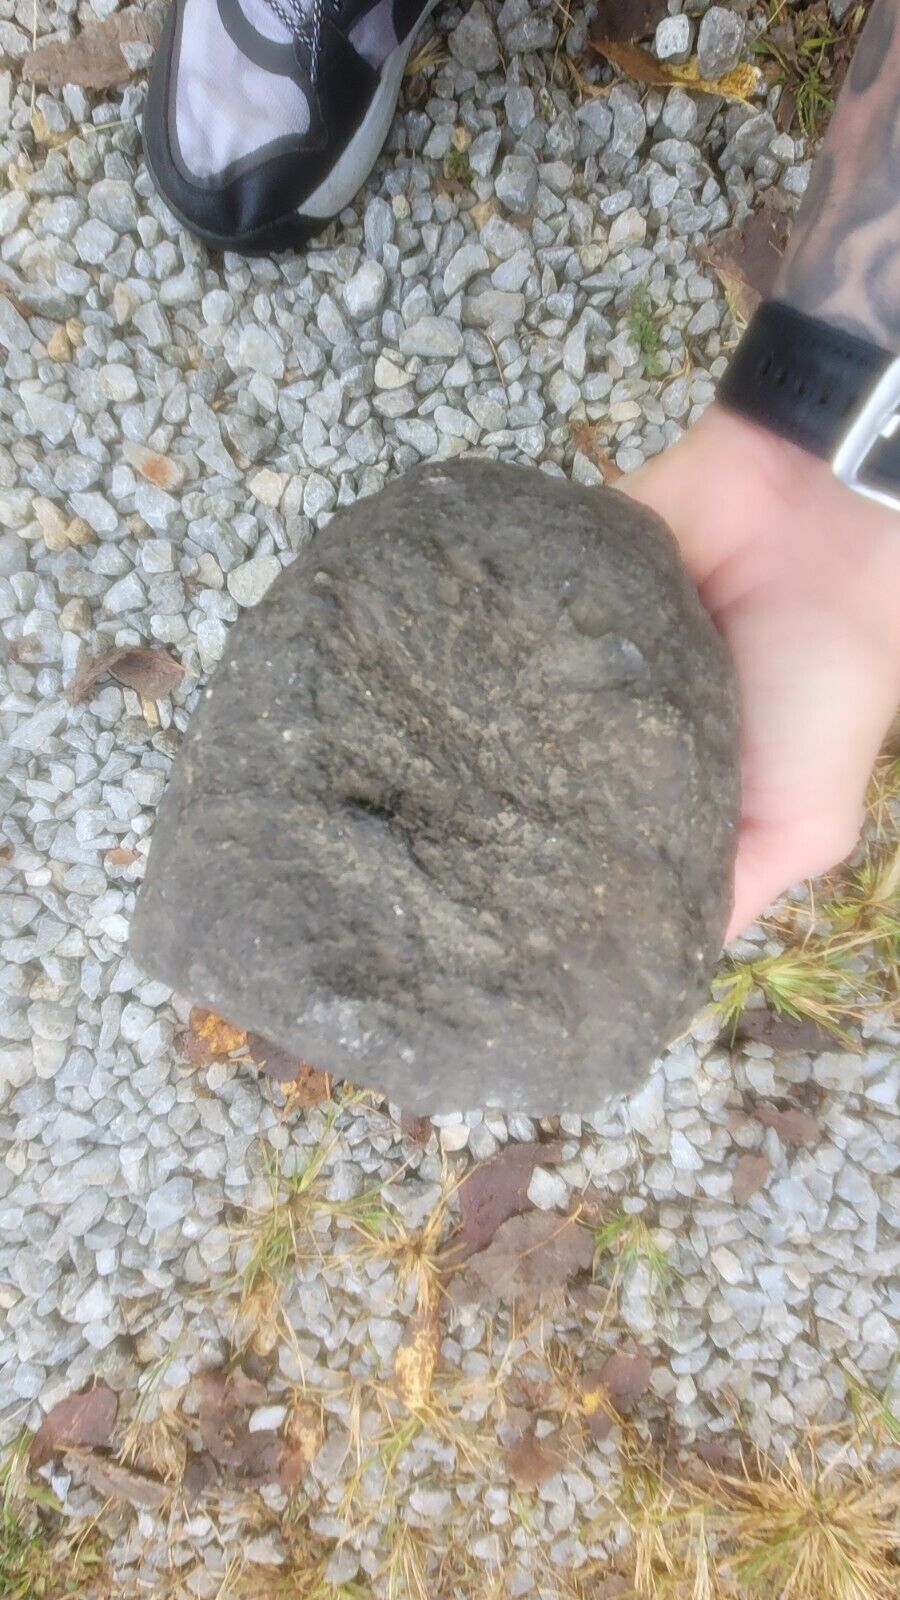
(843,260)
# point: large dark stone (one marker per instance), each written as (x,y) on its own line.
(456,819)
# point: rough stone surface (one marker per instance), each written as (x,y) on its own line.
(456,819)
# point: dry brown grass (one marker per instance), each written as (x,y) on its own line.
(800,1528)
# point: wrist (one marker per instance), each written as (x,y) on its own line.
(796,510)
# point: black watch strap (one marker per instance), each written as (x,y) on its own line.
(810,382)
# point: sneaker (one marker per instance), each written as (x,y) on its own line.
(265,117)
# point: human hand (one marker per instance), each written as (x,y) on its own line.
(802,577)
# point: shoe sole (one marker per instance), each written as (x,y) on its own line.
(343,183)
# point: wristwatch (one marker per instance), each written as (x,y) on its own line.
(828,391)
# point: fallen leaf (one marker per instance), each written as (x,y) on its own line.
(80,1419)
(793,1127)
(276,1062)
(625,20)
(303,1434)
(147,670)
(596,1406)
(417,1129)
(210,1038)
(584,438)
(416,1356)
(786,109)
(625,1375)
(120,856)
(309,1087)
(529,1256)
(48,137)
(200,1474)
(118,1482)
(94,59)
(750,1173)
(531,1460)
(225,1402)
(721,1454)
(498,1188)
(746,260)
(640,65)
(787,1035)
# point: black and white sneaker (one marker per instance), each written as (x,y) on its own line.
(264,117)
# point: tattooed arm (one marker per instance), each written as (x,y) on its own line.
(843,264)
(802,575)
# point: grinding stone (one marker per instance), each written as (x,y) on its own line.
(456,818)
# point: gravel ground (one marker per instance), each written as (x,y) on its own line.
(276,391)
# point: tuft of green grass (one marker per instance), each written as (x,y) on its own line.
(872,1411)
(810,54)
(795,1529)
(628,1241)
(458,167)
(811,982)
(645,333)
(39,1563)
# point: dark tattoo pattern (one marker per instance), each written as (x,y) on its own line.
(843,261)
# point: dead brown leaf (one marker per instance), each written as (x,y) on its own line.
(720,1454)
(119,1482)
(786,109)
(787,1035)
(416,1129)
(94,58)
(792,1126)
(498,1188)
(416,1356)
(625,20)
(584,436)
(147,670)
(746,260)
(276,1062)
(642,67)
(80,1419)
(750,1174)
(200,1474)
(225,1401)
(625,1375)
(531,1460)
(308,1088)
(304,1432)
(529,1256)
(121,856)
(210,1038)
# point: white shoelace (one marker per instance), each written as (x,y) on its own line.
(304,21)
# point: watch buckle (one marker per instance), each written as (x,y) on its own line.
(877,418)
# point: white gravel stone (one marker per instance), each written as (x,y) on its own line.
(170,1203)
(470,259)
(249,582)
(673,39)
(258,351)
(628,229)
(53,419)
(547,1189)
(433,337)
(364,293)
(720,41)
